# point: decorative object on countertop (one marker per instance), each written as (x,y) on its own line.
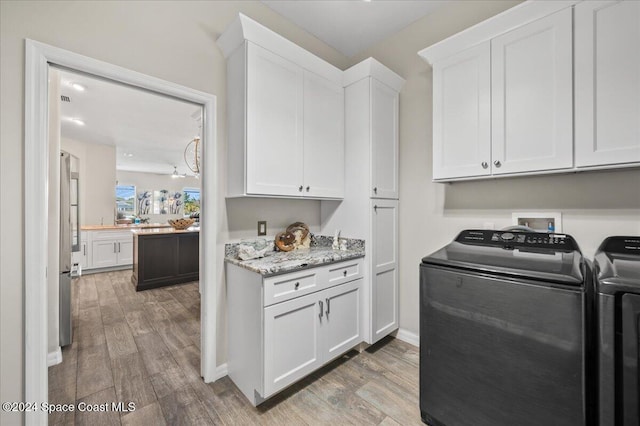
(336,240)
(285,241)
(296,236)
(140,219)
(181,224)
(254,250)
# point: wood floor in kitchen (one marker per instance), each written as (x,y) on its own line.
(143,347)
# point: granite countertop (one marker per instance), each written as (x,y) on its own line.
(280,262)
(123,227)
(165,230)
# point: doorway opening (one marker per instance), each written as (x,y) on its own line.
(39,58)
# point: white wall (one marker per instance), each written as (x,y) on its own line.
(97,180)
(174,41)
(153,182)
(594,204)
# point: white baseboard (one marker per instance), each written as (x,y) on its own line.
(409,337)
(54,357)
(221,371)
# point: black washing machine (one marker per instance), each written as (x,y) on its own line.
(617,272)
(504,331)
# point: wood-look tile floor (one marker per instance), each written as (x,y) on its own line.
(144,347)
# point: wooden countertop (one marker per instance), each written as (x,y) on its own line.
(159,231)
(123,227)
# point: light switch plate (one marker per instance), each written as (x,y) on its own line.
(262,227)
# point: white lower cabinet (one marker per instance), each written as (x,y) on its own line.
(83,256)
(109,249)
(273,346)
(384,280)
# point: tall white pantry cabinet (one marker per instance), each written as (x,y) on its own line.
(369,210)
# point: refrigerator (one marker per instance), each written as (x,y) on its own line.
(69,239)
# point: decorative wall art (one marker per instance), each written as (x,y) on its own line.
(175,203)
(144,202)
(161,201)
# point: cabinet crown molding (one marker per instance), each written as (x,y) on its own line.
(506,21)
(244,28)
(370,67)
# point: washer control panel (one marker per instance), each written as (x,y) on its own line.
(517,239)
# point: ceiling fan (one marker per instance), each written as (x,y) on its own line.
(175,173)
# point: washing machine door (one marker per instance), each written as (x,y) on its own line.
(630,359)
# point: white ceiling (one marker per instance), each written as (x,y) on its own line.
(352,26)
(150,131)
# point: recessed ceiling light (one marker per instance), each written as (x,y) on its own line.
(77,121)
(128,154)
(78,87)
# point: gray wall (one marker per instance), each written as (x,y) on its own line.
(594,204)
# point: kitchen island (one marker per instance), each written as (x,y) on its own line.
(165,256)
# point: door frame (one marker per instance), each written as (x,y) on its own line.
(38,56)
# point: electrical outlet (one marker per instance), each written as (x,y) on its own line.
(262,227)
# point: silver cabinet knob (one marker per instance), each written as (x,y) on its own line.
(308,187)
(375,190)
(300,188)
(297,285)
(497,163)
(485,164)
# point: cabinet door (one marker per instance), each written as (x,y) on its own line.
(342,330)
(125,251)
(274,124)
(607,73)
(384,141)
(104,253)
(80,257)
(462,114)
(323,137)
(292,343)
(531,96)
(384,282)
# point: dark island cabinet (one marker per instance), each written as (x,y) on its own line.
(162,259)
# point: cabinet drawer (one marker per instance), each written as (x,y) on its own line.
(344,272)
(111,235)
(284,287)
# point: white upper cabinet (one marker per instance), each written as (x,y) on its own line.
(285,111)
(323,137)
(531,97)
(384,140)
(524,64)
(462,114)
(274,124)
(607,79)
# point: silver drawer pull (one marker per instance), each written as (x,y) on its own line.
(328,307)
(321,307)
